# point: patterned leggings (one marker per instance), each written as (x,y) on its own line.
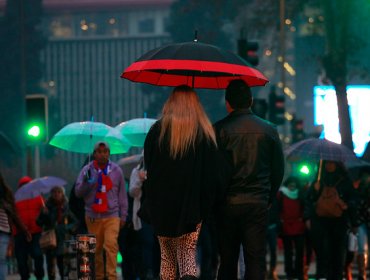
(178,252)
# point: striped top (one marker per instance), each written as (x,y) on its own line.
(4,221)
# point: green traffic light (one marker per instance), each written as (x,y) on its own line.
(34,131)
(304,169)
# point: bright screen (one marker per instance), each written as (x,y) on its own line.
(326,114)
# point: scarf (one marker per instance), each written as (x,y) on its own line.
(291,194)
(104,185)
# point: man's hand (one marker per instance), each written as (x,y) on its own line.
(122,224)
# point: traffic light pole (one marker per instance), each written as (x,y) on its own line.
(37,161)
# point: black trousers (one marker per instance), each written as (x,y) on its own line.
(24,249)
(294,256)
(242,224)
(329,236)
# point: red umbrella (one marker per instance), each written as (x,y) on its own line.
(192,63)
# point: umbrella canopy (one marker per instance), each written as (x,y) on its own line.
(135,130)
(320,149)
(129,163)
(80,137)
(38,187)
(194,64)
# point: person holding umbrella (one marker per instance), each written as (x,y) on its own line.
(102,186)
(330,211)
(183,178)
(254,147)
(28,211)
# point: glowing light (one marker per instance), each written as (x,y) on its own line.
(289,68)
(326,114)
(304,170)
(34,131)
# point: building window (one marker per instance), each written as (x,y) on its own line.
(146,25)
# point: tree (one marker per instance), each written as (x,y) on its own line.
(344,37)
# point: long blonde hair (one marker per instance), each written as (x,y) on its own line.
(185,121)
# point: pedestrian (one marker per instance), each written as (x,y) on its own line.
(102,186)
(8,219)
(28,211)
(290,205)
(183,179)
(147,242)
(56,215)
(362,190)
(255,150)
(330,212)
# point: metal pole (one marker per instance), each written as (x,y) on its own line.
(282,42)
(37,161)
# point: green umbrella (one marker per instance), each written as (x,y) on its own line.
(135,130)
(80,137)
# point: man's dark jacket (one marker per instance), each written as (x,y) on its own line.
(255,149)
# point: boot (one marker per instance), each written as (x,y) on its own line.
(362,264)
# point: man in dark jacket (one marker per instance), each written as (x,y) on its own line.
(255,149)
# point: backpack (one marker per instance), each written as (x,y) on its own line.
(329,204)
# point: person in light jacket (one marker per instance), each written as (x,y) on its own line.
(102,186)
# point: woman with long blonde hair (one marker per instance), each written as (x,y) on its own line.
(183,179)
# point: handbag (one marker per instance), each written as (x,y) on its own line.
(48,240)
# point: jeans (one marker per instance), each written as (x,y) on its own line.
(4,242)
(362,239)
(24,249)
(244,224)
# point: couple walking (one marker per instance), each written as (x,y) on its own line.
(231,170)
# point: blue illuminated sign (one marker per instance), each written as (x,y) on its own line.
(326,114)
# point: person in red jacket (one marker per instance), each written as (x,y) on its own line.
(28,211)
(291,212)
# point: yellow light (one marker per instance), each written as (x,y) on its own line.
(289,93)
(289,68)
(288,21)
(288,116)
(84,27)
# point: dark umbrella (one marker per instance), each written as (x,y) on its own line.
(320,149)
(194,64)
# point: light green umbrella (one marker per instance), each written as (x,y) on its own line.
(80,137)
(135,130)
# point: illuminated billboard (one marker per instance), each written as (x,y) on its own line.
(326,114)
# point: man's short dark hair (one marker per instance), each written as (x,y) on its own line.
(238,94)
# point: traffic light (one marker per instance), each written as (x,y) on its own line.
(248,51)
(298,133)
(304,169)
(36,118)
(259,107)
(276,107)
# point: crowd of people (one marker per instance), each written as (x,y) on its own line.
(203,196)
